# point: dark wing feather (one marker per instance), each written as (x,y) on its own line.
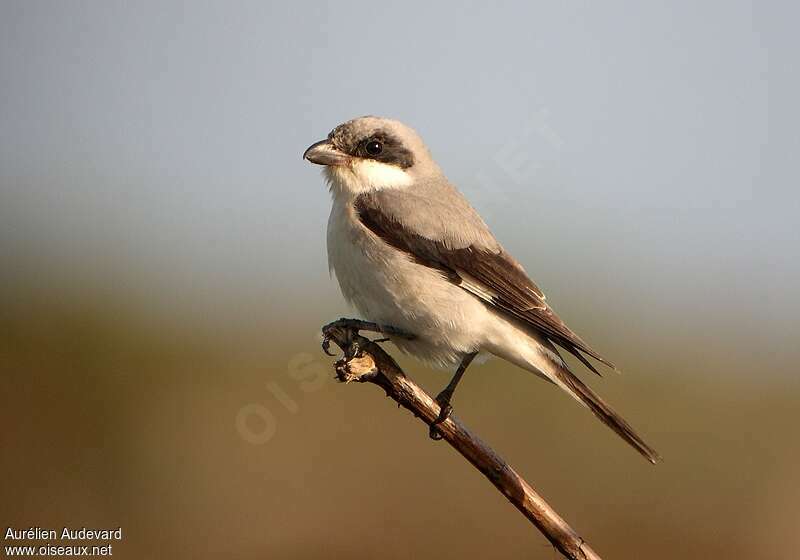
(492,275)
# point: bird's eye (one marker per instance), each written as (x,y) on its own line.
(373,147)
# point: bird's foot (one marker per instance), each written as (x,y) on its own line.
(341,329)
(352,326)
(445,409)
(359,325)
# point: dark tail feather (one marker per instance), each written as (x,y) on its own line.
(606,414)
(577,353)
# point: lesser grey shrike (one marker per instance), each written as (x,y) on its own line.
(409,252)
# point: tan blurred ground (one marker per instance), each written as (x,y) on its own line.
(116,414)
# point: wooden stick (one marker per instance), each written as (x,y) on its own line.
(366,362)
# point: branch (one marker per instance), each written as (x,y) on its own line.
(365,361)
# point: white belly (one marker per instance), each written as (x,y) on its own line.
(388,288)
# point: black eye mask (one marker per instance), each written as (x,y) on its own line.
(383,147)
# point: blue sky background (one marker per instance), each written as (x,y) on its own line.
(638,154)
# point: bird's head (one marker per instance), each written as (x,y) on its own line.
(371,153)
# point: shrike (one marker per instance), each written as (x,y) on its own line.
(410,252)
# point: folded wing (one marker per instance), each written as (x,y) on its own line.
(482,268)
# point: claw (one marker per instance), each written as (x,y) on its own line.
(326,344)
(444,413)
(354,350)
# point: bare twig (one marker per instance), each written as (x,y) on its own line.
(365,361)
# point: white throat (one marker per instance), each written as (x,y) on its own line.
(365,175)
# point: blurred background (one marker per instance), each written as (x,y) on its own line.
(164,274)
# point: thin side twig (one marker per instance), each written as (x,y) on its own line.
(366,362)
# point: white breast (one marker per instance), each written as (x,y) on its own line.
(388,287)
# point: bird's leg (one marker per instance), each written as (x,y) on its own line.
(359,325)
(356,325)
(443,398)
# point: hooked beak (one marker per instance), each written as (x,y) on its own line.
(323,153)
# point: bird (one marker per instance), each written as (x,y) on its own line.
(410,252)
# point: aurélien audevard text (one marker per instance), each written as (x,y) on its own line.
(66,533)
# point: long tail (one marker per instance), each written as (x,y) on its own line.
(577,389)
(533,352)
